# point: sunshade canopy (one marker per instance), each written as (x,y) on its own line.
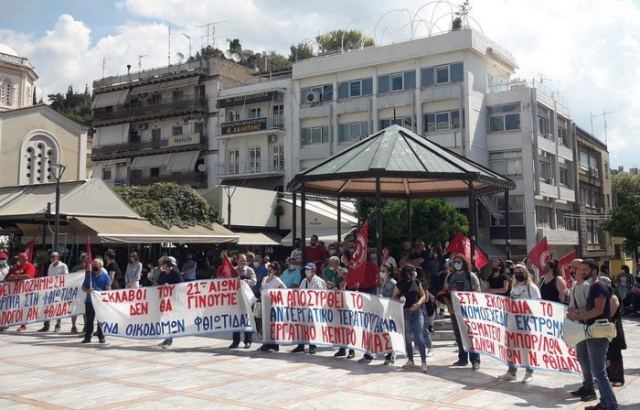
(407,165)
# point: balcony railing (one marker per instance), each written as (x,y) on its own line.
(252,125)
(199,67)
(194,179)
(251,167)
(130,112)
(123,150)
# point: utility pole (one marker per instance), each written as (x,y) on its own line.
(140,57)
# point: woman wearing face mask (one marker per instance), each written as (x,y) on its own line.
(386,288)
(409,291)
(4,266)
(522,288)
(553,287)
(169,275)
(499,283)
(272,281)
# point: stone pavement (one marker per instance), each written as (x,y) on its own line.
(53,371)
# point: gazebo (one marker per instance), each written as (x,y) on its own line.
(397,163)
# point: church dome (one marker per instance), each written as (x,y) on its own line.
(5,49)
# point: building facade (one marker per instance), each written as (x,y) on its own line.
(17,78)
(152,126)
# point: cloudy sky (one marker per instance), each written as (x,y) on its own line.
(588,50)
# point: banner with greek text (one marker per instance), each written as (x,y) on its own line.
(523,332)
(184,309)
(40,299)
(354,320)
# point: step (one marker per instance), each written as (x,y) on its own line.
(443,335)
(442,324)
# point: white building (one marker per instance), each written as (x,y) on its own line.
(457,89)
(17,78)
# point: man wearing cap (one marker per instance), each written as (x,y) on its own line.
(311,281)
(56,268)
(246,274)
(4,266)
(22,270)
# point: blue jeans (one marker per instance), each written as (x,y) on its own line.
(428,321)
(513,370)
(597,350)
(463,356)
(585,364)
(414,327)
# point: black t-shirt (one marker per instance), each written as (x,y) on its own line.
(113,267)
(410,290)
(596,290)
(498,282)
(170,278)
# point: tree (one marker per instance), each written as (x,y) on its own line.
(300,52)
(624,222)
(169,204)
(234,45)
(353,40)
(434,221)
(624,186)
(73,105)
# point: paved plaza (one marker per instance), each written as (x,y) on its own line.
(54,371)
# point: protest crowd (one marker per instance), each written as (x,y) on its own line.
(420,277)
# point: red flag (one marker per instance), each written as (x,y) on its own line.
(88,252)
(540,255)
(563,265)
(481,258)
(227,267)
(462,244)
(358,264)
(29,250)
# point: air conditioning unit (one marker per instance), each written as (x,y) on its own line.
(273,139)
(312,97)
(593,172)
(550,181)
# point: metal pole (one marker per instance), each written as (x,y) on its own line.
(409,225)
(339,221)
(473,227)
(57,229)
(378,223)
(294,224)
(303,225)
(507,223)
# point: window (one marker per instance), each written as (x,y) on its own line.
(584,160)
(547,172)
(353,131)
(314,135)
(516,211)
(383,84)
(443,74)
(254,159)
(562,136)
(6,92)
(234,161)
(501,119)
(593,166)
(593,232)
(543,126)
(441,121)
(156,134)
(564,221)
(564,176)
(355,88)
(106,174)
(506,163)
(176,130)
(134,137)
(255,113)
(396,82)
(278,116)
(277,157)
(177,95)
(154,172)
(544,217)
(198,127)
(406,121)
(233,115)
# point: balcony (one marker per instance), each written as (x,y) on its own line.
(153,110)
(194,179)
(175,143)
(190,68)
(251,126)
(248,169)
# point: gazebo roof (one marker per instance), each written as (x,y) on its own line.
(407,164)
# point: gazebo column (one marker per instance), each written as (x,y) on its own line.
(339,231)
(378,223)
(303,225)
(473,222)
(294,223)
(409,225)
(507,223)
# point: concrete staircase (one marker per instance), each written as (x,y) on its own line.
(442,329)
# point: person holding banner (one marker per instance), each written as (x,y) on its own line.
(523,288)
(21,270)
(247,275)
(272,281)
(409,291)
(169,275)
(96,279)
(4,266)
(56,267)
(386,290)
(462,279)
(311,281)
(499,283)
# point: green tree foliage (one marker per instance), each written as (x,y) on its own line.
(624,187)
(234,45)
(73,105)
(624,222)
(300,51)
(434,221)
(353,40)
(169,204)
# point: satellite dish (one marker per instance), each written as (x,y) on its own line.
(236,57)
(227,55)
(180,56)
(202,167)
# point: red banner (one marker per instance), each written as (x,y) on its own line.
(29,250)
(462,244)
(227,267)
(540,255)
(563,266)
(359,260)
(88,252)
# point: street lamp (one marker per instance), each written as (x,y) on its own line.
(57,170)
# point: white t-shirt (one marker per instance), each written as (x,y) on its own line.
(274,283)
(578,294)
(525,292)
(315,283)
(59,269)
(391,262)
(4,272)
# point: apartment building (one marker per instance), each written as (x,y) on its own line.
(151,126)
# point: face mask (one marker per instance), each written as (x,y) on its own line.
(293,267)
(519,277)
(241,265)
(256,264)
(332,252)
(383,275)
(457,266)
(308,273)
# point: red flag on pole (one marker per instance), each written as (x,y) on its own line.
(87,251)
(563,265)
(540,255)
(29,251)
(359,260)
(462,244)
(227,267)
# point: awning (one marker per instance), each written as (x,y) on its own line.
(116,230)
(258,238)
(183,82)
(109,99)
(183,161)
(326,235)
(151,161)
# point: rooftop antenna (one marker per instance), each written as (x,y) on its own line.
(211,31)
(169,43)
(104,64)
(140,57)
(603,114)
(188,38)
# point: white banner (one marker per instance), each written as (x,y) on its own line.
(523,332)
(354,320)
(40,299)
(185,309)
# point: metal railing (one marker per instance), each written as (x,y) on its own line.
(275,122)
(200,66)
(126,149)
(165,105)
(251,167)
(192,178)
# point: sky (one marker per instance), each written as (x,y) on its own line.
(586,50)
